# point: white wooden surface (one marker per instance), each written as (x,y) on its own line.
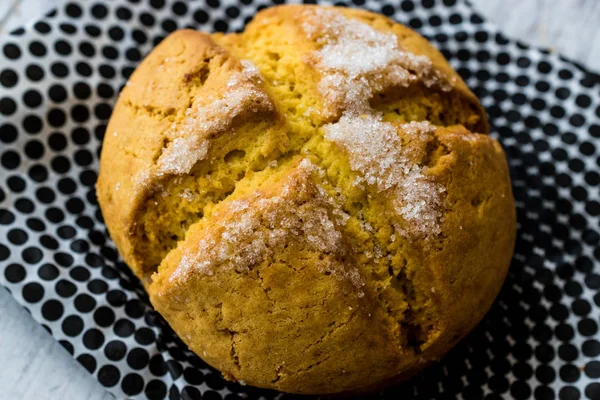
(34,366)
(570,27)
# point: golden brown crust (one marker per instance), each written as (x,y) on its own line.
(284,248)
(480,220)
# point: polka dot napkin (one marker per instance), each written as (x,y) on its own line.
(58,81)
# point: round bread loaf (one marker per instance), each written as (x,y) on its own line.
(312,204)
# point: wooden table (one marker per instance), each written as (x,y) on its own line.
(35,366)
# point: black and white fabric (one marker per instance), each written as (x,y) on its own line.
(59,79)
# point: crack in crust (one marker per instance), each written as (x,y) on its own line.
(234,355)
(334,327)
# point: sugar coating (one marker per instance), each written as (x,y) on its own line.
(259,226)
(181,156)
(357,61)
(189,139)
(375,151)
(419,202)
(187,195)
(373,148)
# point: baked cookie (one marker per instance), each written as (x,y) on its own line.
(312,204)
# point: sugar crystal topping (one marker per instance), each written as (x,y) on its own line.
(204,118)
(357,61)
(260,225)
(375,151)
(187,195)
